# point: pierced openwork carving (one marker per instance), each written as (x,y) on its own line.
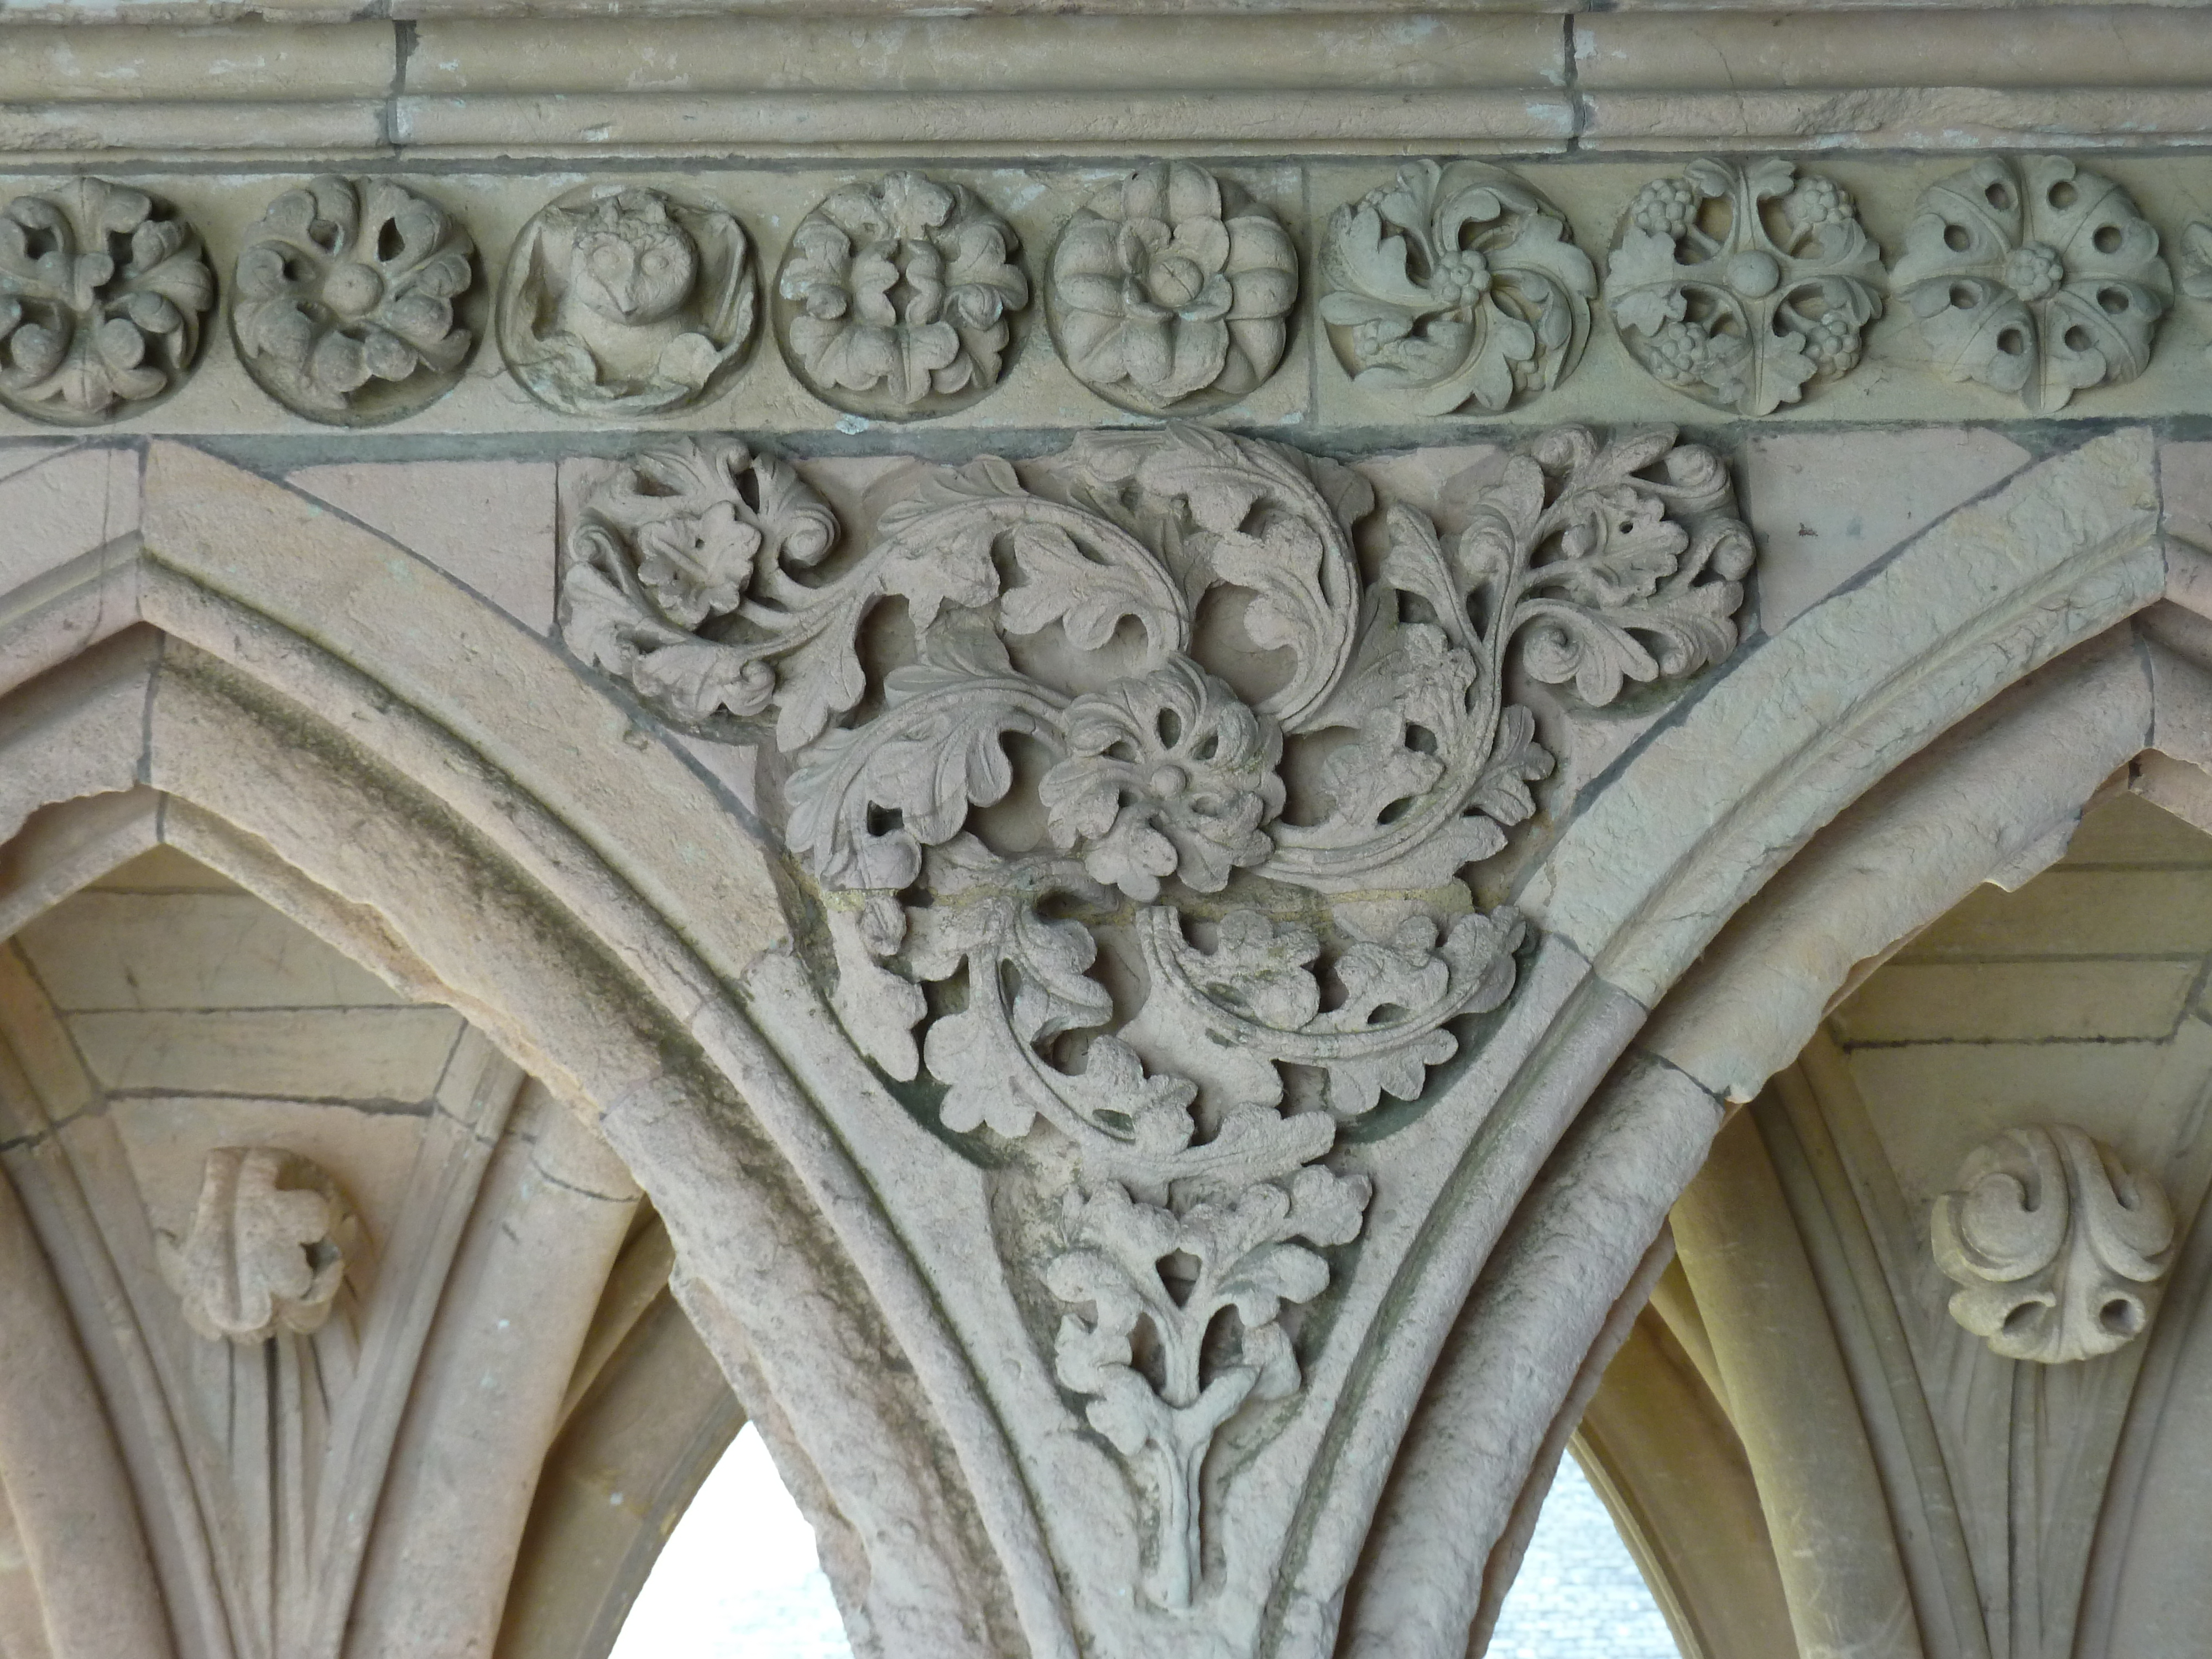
(1172,290)
(1742,284)
(1456,286)
(1071,889)
(344,310)
(898,295)
(2056,1243)
(102,289)
(267,1248)
(2033,276)
(620,300)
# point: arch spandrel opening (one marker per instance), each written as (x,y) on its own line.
(322,1255)
(1937,1321)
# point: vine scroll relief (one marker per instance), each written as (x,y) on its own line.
(1138,822)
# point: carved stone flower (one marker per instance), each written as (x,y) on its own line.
(344,308)
(1167,775)
(899,296)
(622,300)
(267,1251)
(1741,285)
(2033,276)
(1456,285)
(1172,289)
(102,289)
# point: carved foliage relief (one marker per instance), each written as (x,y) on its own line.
(102,292)
(621,301)
(898,296)
(1099,764)
(1456,287)
(344,310)
(267,1248)
(2035,277)
(2055,1244)
(1742,284)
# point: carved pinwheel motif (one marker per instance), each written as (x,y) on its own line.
(2035,277)
(2197,262)
(2055,1244)
(344,309)
(1456,286)
(102,289)
(1070,763)
(898,296)
(1172,289)
(1742,285)
(623,300)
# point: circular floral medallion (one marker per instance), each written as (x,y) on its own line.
(1456,286)
(345,308)
(102,290)
(2035,277)
(896,298)
(623,300)
(1172,291)
(1742,285)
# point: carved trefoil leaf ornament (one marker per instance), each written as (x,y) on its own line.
(1741,284)
(1171,291)
(103,289)
(1456,287)
(2035,277)
(898,297)
(2055,1243)
(267,1248)
(1126,963)
(619,301)
(345,305)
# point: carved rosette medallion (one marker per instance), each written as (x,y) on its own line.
(896,297)
(1457,286)
(1172,291)
(102,290)
(344,309)
(267,1248)
(1073,904)
(2035,277)
(2055,1243)
(620,301)
(1742,284)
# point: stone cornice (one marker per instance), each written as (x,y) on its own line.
(769,80)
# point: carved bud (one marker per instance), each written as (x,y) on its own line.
(266,1251)
(2054,1242)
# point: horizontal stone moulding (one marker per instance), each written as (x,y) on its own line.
(1357,296)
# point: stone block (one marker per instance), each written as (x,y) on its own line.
(2117,913)
(1826,506)
(2018,1001)
(488,524)
(197,950)
(60,508)
(310,1053)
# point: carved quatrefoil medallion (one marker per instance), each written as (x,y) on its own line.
(620,301)
(2054,1242)
(1740,285)
(1456,286)
(102,290)
(1148,981)
(345,308)
(2035,277)
(895,297)
(1172,291)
